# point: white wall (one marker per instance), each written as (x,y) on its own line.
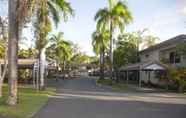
(152,56)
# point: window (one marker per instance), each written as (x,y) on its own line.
(171,57)
(174,58)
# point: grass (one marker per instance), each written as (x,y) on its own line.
(115,85)
(30,102)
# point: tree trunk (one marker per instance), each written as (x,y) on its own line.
(12,52)
(101,64)
(1,86)
(41,70)
(3,72)
(111,51)
(64,65)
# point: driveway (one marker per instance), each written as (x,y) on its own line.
(81,98)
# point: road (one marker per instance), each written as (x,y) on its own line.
(82,98)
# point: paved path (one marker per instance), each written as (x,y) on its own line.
(81,98)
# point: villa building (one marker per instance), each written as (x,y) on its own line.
(150,67)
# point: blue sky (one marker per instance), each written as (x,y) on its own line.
(164,18)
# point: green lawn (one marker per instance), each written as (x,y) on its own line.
(30,102)
(113,84)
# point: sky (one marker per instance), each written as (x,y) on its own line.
(164,18)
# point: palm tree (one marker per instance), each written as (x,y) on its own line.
(18,14)
(116,15)
(100,43)
(12,52)
(45,10)
(62,49)
(3,49)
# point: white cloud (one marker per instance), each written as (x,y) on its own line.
(184,11)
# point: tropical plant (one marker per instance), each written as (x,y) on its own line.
(48,10)
(79,59)
(100,42)
(141,39)
(149,41)
(27,53)
(125,52)
(181,49)
(116,15)
(177,75)
(19,12)
(3,49)
(61,49)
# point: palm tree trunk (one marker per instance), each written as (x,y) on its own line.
(111,50)
(1,86)
(64,64)
(101,64)
(12,52)
(41,73)
(3,72)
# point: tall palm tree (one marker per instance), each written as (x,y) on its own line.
(3,49)
(12,51)
(45,10)
(18,14)
(116,15)
(61,48)
(100,44)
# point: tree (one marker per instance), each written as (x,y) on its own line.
(61,49)
(79,58)
(149,41)
(18,15)
(45,10)
(116,15)
(125,52)
(141,39)
(181,49)
(100,44)
(3,48)
(12,52)
(27,53)
(177,75)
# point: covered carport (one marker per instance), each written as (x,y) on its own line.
(23,65)
(142,72)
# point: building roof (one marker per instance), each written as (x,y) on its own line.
(175,40)
(144,66)
(135,66)
(23,63)
(154,66)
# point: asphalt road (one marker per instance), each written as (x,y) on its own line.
(81,98)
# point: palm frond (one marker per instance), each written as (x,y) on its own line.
(54,13)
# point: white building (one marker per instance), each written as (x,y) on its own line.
(150,67)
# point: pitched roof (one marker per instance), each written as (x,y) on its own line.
(23,61)
(175,40)
(150,65)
